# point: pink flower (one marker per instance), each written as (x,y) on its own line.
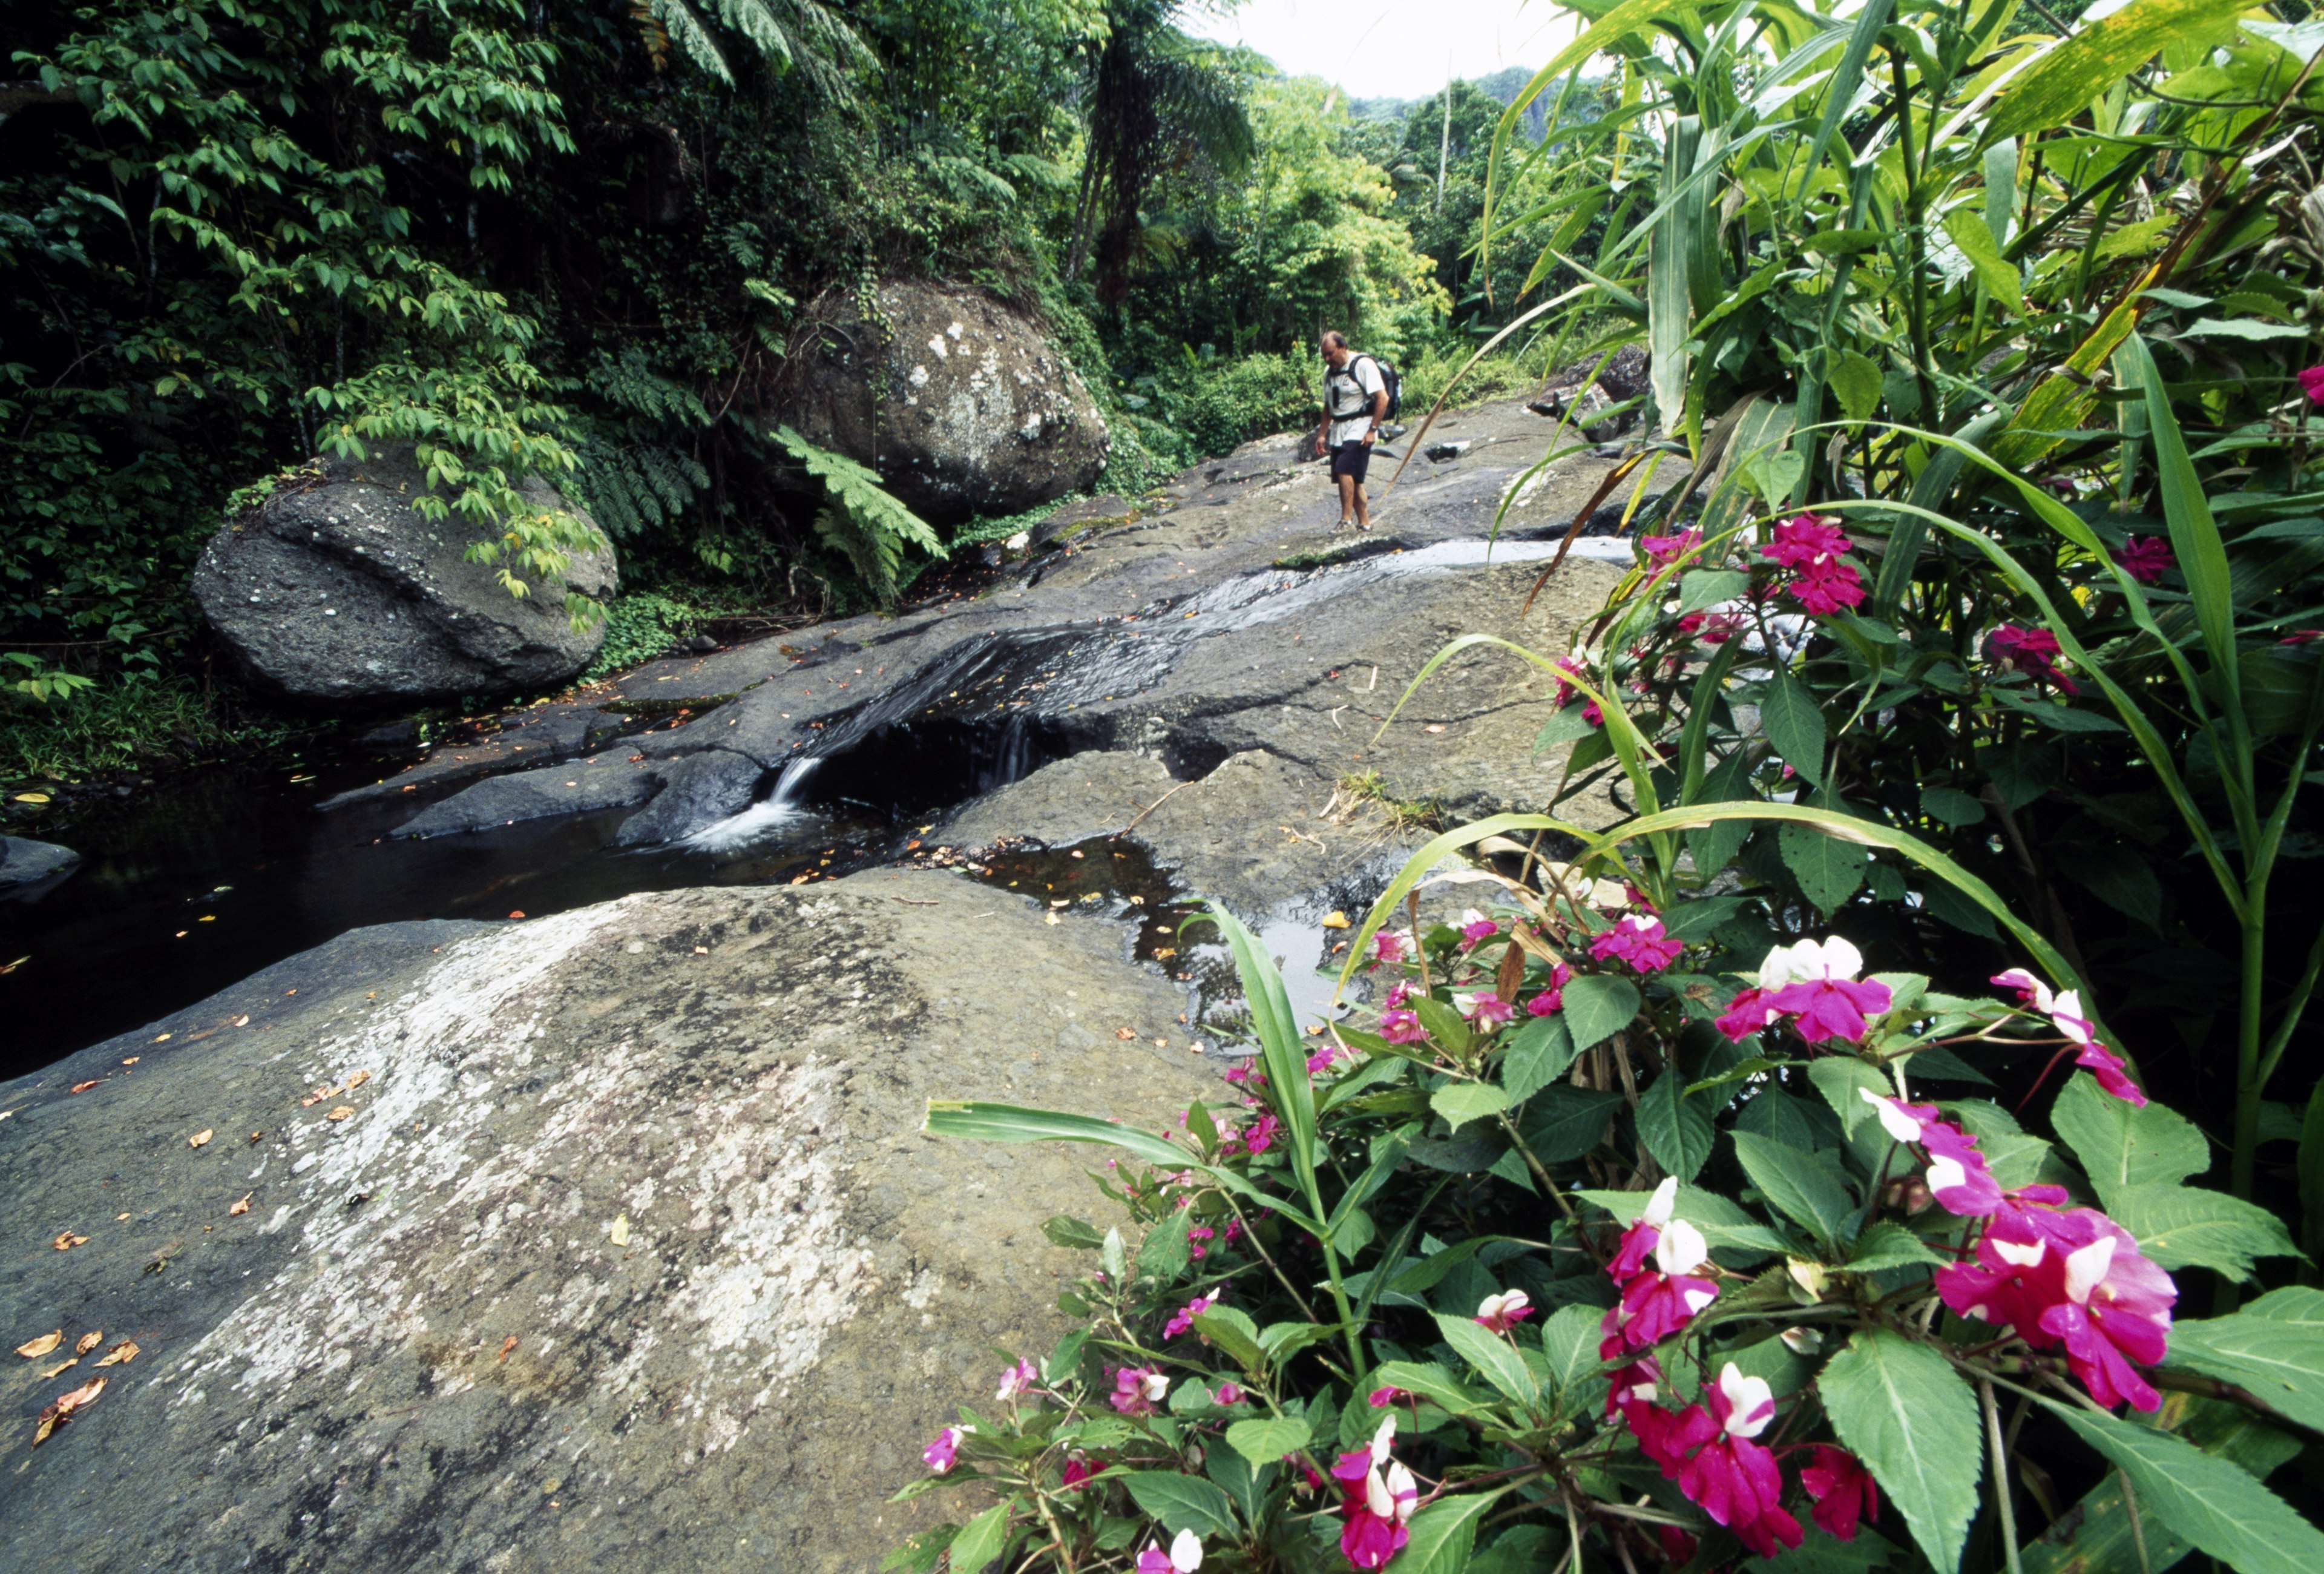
(1825,589)
(1401,1027)
(1320,1060)
(1184,1556)
(1843,1491)
(1387,948)
(1658,1303)
(1815,983)
(1228,1393)
(1079,1470)
(1016,1382)
(2031,651)
(1260,1135)
(941,1453)
(2312,383)
(1382,1398)
(2065,1013)
(1553,997)
(1712,628)
(1500,1313)
(1476,929)
(1183,1321)
(1645,1232)
(1486,1009)
(1243,1071)
(1196,1235)
(1731,1477)
(1136,1390)
(1805,541)
(2147,558)
(1746,1013)
(2072,1278)
(1398,993)
(1376,1503)
(1958,1176)
(1664,549)
(1639,941)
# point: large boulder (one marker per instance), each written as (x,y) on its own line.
(28,868)
(958,401)
(615,1241)
(335,588)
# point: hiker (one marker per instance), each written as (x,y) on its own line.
(1355,402)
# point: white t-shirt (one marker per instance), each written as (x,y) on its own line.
(1361,375)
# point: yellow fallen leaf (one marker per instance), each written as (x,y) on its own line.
(198,1138)
(62,1408)
(33,1349)
(621,1231)
(88,1341)
(135,1059)
(242,1207)
(1335,920)
(120,1355)
(358,1080)
(1123,1033)
(342,1111)
(31,797)
(66,1241)
(49,1372)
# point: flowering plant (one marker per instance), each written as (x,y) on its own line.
(1701,1261)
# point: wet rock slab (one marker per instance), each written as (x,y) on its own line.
(427,1344)
(28,866)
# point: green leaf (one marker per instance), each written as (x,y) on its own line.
(1182,1501)
(1232,1331)
(1951,805)
(1279,1339)
(1675,1129)
(1443,1025)
(1563,728)
(1562,1123)
(1492,1356)
(1793,724)
(1538,1054)
(1010,1123)
(2181,1227)
(1431,1382)
(1064,1357)
(1702,588)
(2242,328)
(1165,1254)
(1888,1245)
(1569,1343)
(2061,84)
(1854,381)
(1463,1102)
(1913,1421)
(1064,1230)
(980,1539)
(1445,1534)
(2122,1146)
(1843,1081)
(1263,1442)
(1995,275)
(1829,870)
(1798,1183)
(2273,1348)
(2201,1496)
(1597,1007)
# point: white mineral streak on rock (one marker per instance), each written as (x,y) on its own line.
(767,1270)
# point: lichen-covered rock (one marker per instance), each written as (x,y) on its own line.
(336,588)
(604,1240)
(28,867)
(958,401)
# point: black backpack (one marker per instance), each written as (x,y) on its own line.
(1390,378)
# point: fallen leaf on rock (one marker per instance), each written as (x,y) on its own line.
(518,913)
(620,1230)
(120,1355)
(31,797)
(358,1080)
(242,1021)
(1123,1033)
(63,1408)
(67,1241)
(241,1208)
(88,1341)
(33,1349)
(1052,918)
(342,1113)
(198,1138)
(1335,920)
(19,962)
(1434,727)
(507,1344)
(702,950)
(120,1219)
(258,1136)
(61,1366)
(135,1059)
(206,918)
(1164,954)
(84,1087)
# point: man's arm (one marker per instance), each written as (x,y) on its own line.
(1379,409)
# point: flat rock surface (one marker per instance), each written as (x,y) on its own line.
(426,1343)
(26,862)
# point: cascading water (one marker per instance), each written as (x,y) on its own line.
(783,807)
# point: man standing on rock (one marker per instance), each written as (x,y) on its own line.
(1355,402)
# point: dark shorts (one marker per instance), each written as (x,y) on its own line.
(1352,458)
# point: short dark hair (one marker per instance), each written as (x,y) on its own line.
(1335,338)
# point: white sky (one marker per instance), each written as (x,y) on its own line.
(1395,49)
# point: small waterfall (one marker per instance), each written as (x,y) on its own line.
(776,810)
(793,780)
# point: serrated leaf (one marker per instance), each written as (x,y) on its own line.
(1569,1347)
(1564,727)
(1911,1420)
(1855,380)
(1165,1252)
(1444,1023)
(1064,1230)
(1562,1123)
(1445,1534)
(1232,1331)
(1951,805)
(2121,1145)
(1888,1245)
(1263,1442)
(2201,1496)
(1182,1501)
(1829,870)
(2273,1348)
(1539,1053)
(980,1539)
(2181,1227)
(1490,1354)
(1843,1081)
(1064,1357)
(1702,588)
(1431,1382)
(1597,1007)
(1676,1130)
(1797,1183)
(1793,724)
(1463,1102)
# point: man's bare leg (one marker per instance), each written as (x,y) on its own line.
(1352,498)
(1362,503)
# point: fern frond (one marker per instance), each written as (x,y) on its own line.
(688,32)
(865,524)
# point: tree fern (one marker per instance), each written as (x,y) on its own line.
(859,520)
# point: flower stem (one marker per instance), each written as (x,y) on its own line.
(1997,1453)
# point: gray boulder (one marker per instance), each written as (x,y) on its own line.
(958,401)
(336,588)
(627,1251)
(28,867)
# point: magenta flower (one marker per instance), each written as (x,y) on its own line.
(1475,928)
(1228,1393)
(2312,383)
(1136,1390)
(1501,1312)
(2065,1013)
(1567,694)
(1487,1009)
(1843,1491)
(2031,651)
(1553,997)
(1958,1176)
(1712,628)
(1387,948)
(1825,589)
(1746,1013)
(1016,1382)
(2072,1278)
(941,1454)
(1183,1321)
(1805,541)
(1814,982)
(1260,1135)
(1645,1232)
(1658,1303)
(1401,1027)
(1184,1556)
(1664,549)
(1733,1479)
(2146,559)
(1079,1470)
(1242,1072)
(1195,1236)
(1375,1505)
(1382,1398)
(1641,941)
(1320,1060)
